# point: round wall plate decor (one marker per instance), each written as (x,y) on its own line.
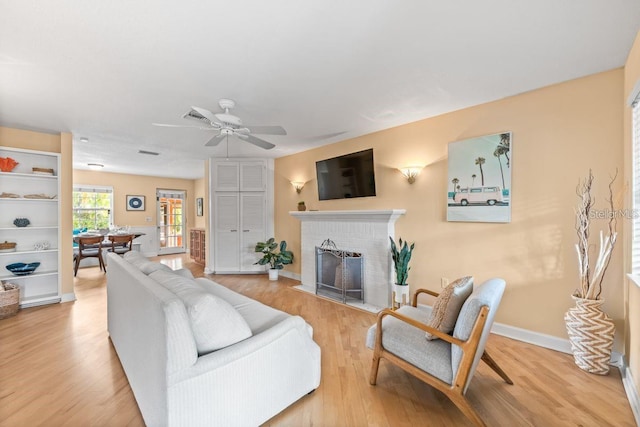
(135,203)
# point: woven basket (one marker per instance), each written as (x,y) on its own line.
(42,170)
(591,334)
(9,300)
(7,245)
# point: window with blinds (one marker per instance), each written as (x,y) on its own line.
(92,207)
(635,255)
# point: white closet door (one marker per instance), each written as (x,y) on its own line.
(227,177)
(252,214)
(227,227)
(252,176)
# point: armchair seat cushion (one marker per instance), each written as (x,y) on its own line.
(409,343)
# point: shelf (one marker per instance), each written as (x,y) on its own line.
(45,227)
(32,251)
(22,199)
(37,274)
(28,175)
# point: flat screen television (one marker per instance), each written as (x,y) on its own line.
(347,176)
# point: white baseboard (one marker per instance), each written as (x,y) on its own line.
(543,340)
(68,297)
(290,275)
(630,389)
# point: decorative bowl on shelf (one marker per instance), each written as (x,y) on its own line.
(7,164)
(22,269)
(21,222)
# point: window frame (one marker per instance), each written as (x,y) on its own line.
(92,189)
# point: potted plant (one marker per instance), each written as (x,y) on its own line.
(401,260)
(301,206)
(274,254)
(589,328)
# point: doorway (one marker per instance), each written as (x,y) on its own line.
(171,221)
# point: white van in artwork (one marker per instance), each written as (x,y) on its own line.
(476,195)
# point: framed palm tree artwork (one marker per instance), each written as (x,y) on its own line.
(479,179)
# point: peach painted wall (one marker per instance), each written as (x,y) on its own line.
(54,143)
(559,132)
(632,336)
(124,184)
(200,191)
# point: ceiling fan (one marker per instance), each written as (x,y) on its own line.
(226,124)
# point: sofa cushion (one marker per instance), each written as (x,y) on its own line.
(135,258)
(448,304)
(184,272)
(214,322)
(151,266)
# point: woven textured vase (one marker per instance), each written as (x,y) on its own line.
(591,335)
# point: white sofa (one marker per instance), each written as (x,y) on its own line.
(153,330)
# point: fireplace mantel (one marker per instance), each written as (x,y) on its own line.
(362,215)
(364,231)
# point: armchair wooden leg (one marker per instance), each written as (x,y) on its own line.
(465,407)
(375,364)
(498,370)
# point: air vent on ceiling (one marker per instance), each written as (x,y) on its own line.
(194,115)
(151,153)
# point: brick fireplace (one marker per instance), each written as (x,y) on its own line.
(363,231)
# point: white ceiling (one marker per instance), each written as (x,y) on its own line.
(325,70)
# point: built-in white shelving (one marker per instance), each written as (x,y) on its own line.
(44,285)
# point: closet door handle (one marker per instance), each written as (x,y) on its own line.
(246,231)
(233,231)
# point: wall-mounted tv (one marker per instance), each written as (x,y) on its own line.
(347,176)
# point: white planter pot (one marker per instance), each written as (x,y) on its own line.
(401,294)
(273,274)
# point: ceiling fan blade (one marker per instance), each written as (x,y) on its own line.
(205,113)
(256,141)
(181,126)
(267,130)
(214,141)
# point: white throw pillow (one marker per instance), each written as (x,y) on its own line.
(214,322)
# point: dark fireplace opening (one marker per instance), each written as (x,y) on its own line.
(339,273)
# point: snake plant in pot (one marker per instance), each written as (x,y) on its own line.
(401,258)
(274,254)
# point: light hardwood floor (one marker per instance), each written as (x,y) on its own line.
(57,367)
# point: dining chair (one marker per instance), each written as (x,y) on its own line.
(121,243)
(89,247)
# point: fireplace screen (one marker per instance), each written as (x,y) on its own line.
(339,273)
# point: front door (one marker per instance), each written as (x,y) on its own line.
(171,221)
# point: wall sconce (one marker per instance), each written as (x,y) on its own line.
(411,172)
(297,185)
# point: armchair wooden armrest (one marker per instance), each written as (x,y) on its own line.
(422,291)
(413,322)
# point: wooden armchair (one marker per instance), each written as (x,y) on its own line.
(447,363)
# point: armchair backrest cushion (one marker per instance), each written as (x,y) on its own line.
(487,294)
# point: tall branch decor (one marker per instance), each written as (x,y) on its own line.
(590,330)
